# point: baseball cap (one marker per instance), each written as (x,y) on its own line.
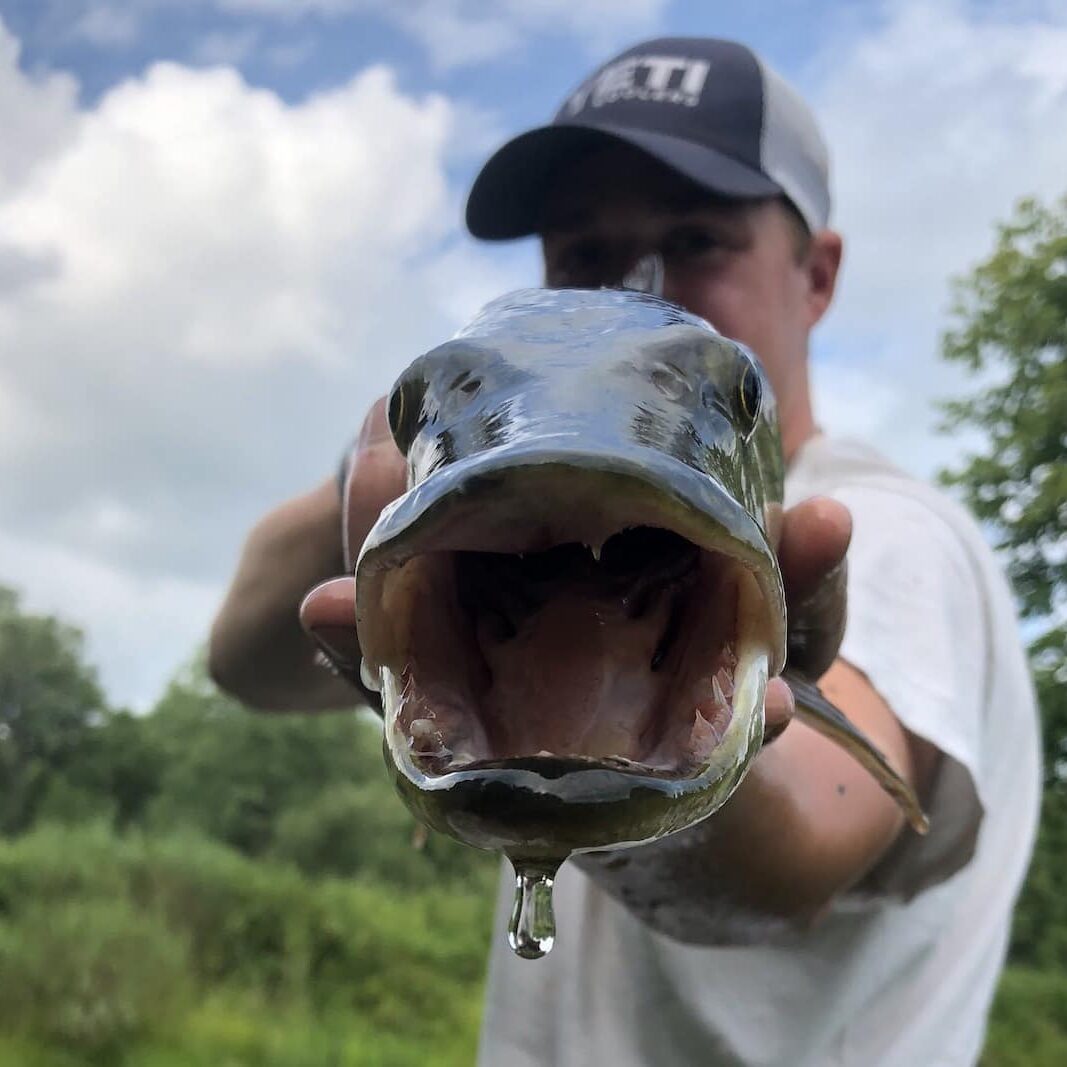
(710,109)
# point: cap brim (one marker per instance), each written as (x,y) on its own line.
(508,197)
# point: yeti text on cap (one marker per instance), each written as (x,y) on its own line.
(657,79)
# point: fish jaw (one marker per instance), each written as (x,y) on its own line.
(542,809)
(485,778)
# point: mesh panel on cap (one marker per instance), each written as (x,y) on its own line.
(792,150)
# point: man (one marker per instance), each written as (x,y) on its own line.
(802,924)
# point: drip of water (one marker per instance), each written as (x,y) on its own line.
(532,929)
(372,680)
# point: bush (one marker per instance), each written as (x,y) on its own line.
(352,830)
(105,935)
(57,863)
(1028,1027)
(90,974)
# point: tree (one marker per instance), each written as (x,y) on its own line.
(1011,331)
(232,773)
(49,703)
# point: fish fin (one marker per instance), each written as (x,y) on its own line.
(814,710)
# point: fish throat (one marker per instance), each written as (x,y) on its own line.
(627,656)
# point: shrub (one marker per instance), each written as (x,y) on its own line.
(1028,1027)
(90,974)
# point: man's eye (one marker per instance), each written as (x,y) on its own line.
(690,242)
(581,264)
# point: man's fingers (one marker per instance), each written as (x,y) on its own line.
(376,425)
(377,475)
(779,708)
(328,615)
(815,537)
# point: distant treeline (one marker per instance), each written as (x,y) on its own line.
(203,885)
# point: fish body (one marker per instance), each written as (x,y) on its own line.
(573,612)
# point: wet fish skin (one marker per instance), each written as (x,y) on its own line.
(615,409)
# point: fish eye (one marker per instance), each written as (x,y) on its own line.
(406,415)
(749,395)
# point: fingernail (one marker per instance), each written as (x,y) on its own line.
(773,732)
(339,645)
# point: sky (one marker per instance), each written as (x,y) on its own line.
(227,225)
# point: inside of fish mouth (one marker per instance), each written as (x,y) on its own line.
(628,657)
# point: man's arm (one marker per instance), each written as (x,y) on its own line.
(258,649)
(806,824)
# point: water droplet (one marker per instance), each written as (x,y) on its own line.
(532,930)
(369,678)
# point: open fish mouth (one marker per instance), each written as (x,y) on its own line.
(627,654)
(544,635)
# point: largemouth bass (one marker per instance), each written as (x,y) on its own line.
(573,613)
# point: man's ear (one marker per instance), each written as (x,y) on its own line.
(822,264)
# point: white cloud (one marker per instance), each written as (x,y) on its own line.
(458,33)
(107,24)
(938,121)
(453,33)
(36,115)
(204,289)
(221,48)
(461,32)
(292,9)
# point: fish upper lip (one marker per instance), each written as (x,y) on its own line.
(438,514)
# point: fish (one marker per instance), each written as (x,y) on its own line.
(571,616)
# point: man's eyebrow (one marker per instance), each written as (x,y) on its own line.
(676,204)
(686,201)
(575,217)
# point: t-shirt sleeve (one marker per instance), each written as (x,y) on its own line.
(917,629)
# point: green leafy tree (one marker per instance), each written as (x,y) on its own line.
(49,705)
(1011,332)
(232,773)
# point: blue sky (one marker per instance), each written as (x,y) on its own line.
(297,49)
(226,225)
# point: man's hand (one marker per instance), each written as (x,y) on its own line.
(811,554)
(377,475)
(808,822)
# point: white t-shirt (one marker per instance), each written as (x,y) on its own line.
(901,980)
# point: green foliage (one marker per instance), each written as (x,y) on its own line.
(364,831)
(89,974)
(287,968)
(1039,936)
(203,885)
(1028,1026)
(1011,331)
(233,774)
(49,701)
(1012,327)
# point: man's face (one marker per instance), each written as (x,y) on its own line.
(742,265)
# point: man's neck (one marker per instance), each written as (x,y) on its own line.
(797,425)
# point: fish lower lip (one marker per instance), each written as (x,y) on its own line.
(544,659)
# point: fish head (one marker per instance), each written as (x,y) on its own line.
(572,613)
